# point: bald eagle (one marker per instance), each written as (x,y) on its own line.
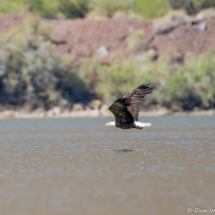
(126,109)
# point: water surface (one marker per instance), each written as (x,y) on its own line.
(79,166)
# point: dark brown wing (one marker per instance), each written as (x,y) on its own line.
(135,97)
(120,111)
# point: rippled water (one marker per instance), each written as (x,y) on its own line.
(79,166)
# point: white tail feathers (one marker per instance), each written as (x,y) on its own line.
(142,124)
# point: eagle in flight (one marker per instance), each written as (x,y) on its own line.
(126,109)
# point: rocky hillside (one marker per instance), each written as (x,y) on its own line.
(83,37)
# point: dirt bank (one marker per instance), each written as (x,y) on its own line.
(55,113)
(191,37)
(83,37)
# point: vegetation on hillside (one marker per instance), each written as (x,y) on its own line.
(191,6)
(33,74)
(155,8)
(80,8)
(187,85)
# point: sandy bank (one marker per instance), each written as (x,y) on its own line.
(57,113)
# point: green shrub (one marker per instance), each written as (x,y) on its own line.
(152,9)
(33,73)
(116,79)
(11,6)
(109,7)
(74,8)
(202,4)
(47,8)
(137,40)
(188,85)
(188,5)
(191,6)
(193,83)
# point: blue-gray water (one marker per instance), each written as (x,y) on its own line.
(78,166)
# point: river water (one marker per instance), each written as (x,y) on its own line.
(78,166)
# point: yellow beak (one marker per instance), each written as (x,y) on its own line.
(107,124)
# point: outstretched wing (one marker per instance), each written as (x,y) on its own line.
(135,98)
(120,111)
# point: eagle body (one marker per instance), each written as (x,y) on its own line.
(137,125)
(126,109)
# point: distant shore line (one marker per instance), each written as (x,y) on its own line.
(57,113)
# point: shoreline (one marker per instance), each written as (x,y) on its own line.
(57,113)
